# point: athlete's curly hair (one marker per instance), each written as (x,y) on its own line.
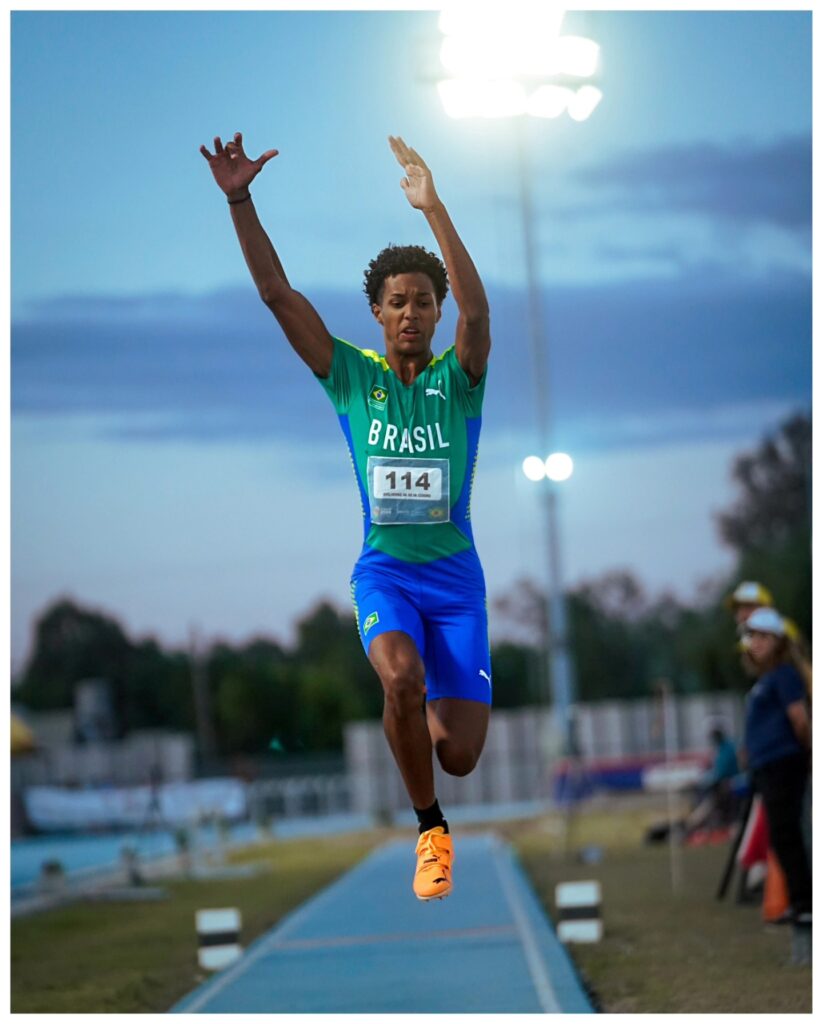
(405,259)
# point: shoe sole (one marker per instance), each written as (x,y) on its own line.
(435,896)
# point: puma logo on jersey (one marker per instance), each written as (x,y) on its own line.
(436,391)
(486,676)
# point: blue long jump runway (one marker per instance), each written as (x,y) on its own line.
(366,944)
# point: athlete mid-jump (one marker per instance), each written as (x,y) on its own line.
(412,422)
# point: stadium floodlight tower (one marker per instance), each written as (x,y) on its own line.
(550,472)
(512,61)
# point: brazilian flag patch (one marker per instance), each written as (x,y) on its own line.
(378,397)
(371,620)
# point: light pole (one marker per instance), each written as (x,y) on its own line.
(505,62)
(548,474)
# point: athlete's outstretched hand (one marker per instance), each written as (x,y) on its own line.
(418,183)
(231,168)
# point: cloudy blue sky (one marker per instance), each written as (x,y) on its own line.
(173,462)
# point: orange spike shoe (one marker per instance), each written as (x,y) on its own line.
(433,878)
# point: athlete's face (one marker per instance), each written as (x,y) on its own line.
(408,312)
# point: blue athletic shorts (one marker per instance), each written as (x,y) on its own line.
(442,607)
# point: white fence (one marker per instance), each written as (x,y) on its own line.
(635,727)
(522,749)
(517,763)
(299,796)
(51,808)
(122,763)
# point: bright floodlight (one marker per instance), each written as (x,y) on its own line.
(583,102)
(558,466)
(549,101)
(575,55)
(495,22)
(534,467)
(500,41)
(474,98)
(495,57)
(490,52)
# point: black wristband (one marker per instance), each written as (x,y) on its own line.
(234,202)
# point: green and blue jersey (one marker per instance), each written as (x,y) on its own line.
(413,448)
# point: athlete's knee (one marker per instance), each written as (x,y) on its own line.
(455,758)
(404,686)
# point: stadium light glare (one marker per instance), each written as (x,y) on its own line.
(534,468)
(558,466)
(463,97)
(501,41)
(495,22)
(575,56)
(583,102)
(549,101)
(497,56)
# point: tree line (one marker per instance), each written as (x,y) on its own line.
(265,696)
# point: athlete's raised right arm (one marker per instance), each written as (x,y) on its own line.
(234,171)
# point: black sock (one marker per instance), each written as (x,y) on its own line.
(431,817)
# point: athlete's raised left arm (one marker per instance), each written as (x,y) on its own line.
(472,341)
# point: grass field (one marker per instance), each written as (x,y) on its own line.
(662,952)
(666,952)
(142,958)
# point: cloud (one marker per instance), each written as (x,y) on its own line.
(748,182)
(656,356)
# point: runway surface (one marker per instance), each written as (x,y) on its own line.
(365,944)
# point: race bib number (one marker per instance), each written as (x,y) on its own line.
(408,490)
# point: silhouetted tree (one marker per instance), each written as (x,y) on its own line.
(769,526)
(72,644)
(775,485)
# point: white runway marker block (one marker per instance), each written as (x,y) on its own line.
(218,936)
(578,910)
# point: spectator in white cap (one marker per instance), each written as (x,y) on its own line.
(747,597)
(778,747)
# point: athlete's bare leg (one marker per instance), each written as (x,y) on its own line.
(458,731)
(454,728)
(397,662)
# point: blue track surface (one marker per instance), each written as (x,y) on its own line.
(83,856)
(366,945)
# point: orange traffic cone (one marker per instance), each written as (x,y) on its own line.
(775,891)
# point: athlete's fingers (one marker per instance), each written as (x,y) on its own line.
(205,153)
(266,157)
(397,149)
(418,159)
(403,151)
(218,145)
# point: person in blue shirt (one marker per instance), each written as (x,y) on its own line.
(725,756)
(714,797)
(777,749)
